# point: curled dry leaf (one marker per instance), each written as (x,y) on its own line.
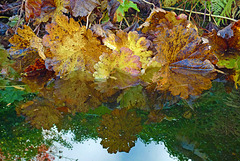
(138,45)
(186,69)
(72,47)
(118,130)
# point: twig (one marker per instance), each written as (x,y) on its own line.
(9,8)
(149,3)
(200,13)
(19,19)
(88,19)
(126,21)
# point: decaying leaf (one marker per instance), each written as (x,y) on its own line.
(26,38)
(160,19)
(186,69)
(138,45)
(83,7)
(72,47)
(41,113)
(118,130)
(225,44)
(43,10)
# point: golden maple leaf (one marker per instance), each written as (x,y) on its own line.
(138,45)
(186,69)
(123,60)
(26,38)
(118,130)
(73,47)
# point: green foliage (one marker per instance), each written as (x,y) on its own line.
(222,8)
(11,94)
(124,7)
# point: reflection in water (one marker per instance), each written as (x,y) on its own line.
(92,150)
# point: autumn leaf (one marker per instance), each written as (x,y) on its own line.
(138,45)
(43,10)
(225,45)
(186,69)
(72,47)
(41,113)
(118,130)
(83,7)
(123,60)
(160,19)
(25,39)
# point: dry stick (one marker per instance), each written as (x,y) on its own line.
(88,19)
(19,19)
(9,8)
(149,3)
(200,13)
(126,21)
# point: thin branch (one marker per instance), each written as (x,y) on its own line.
(1,11)
(200,13)
(19,19)
(149,3)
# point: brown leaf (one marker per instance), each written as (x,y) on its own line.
(186,69)
(83,7)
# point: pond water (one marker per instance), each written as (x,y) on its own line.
(204,128)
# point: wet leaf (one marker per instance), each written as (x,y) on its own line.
(118,130)
(138,45)
(83,7)
(186,69)
(72,47)
(123,60)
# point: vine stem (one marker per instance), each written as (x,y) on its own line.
(200,13)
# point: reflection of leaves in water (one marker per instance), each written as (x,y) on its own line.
(133,97)
(41,113)
(78,92)
(118,130)
(186,69)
